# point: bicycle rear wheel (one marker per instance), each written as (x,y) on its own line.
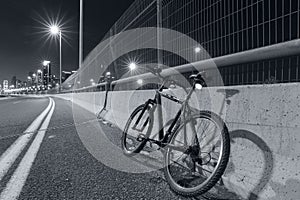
(135,129)
(203,153)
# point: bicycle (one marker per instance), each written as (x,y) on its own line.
(185,151)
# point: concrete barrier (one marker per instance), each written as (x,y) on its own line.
(264,125)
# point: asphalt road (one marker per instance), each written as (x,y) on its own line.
(16,114)
(63,168)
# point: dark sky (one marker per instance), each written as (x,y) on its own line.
(23,45)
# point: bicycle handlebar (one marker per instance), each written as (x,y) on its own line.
(198,78)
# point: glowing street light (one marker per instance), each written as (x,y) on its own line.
(54,30)
(132,66)
(140,81)
(197,50)
(46,62)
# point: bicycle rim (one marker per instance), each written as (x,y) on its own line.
(193,174)
(130,144)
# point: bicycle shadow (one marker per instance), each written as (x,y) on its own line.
(268,157)
(220,192)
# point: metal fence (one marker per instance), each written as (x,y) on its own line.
(222,27)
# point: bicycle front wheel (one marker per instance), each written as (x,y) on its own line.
(197,154)
(138,126)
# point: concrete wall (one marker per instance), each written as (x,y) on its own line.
(264,126)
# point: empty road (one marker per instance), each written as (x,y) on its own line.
(43,157)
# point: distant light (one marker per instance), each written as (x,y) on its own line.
(34,75)
(46,62)
(132,66)
(140,81)
(29,78)
(197,50)
(54,29)
(39,71)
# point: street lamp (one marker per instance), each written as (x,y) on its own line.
(132,66)
(80,32)
(197,50)
(55,30)
(140,81)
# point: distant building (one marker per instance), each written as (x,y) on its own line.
(18,83)
(39,77)
(13,81)
(24,84)
(5,84)
(30,79)
(65,75)
(47,76)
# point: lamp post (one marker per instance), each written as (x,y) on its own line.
(55,30)
(80,33)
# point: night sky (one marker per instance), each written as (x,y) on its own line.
(23,40)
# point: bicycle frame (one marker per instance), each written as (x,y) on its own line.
(156,103)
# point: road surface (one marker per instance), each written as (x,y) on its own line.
(51,162)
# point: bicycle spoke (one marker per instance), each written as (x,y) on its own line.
(175,162)
(204,165)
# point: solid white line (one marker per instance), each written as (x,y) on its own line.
(5,98)
(18,179)
(12,153)
(16,102)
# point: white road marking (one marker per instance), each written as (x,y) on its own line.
(18,179)
(16,102)
(12,153)
(5,98)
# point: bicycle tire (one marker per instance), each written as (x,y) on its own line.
(218,171)
(141,145)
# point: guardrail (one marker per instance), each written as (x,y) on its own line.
(284,49)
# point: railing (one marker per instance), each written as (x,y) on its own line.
(276,51)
